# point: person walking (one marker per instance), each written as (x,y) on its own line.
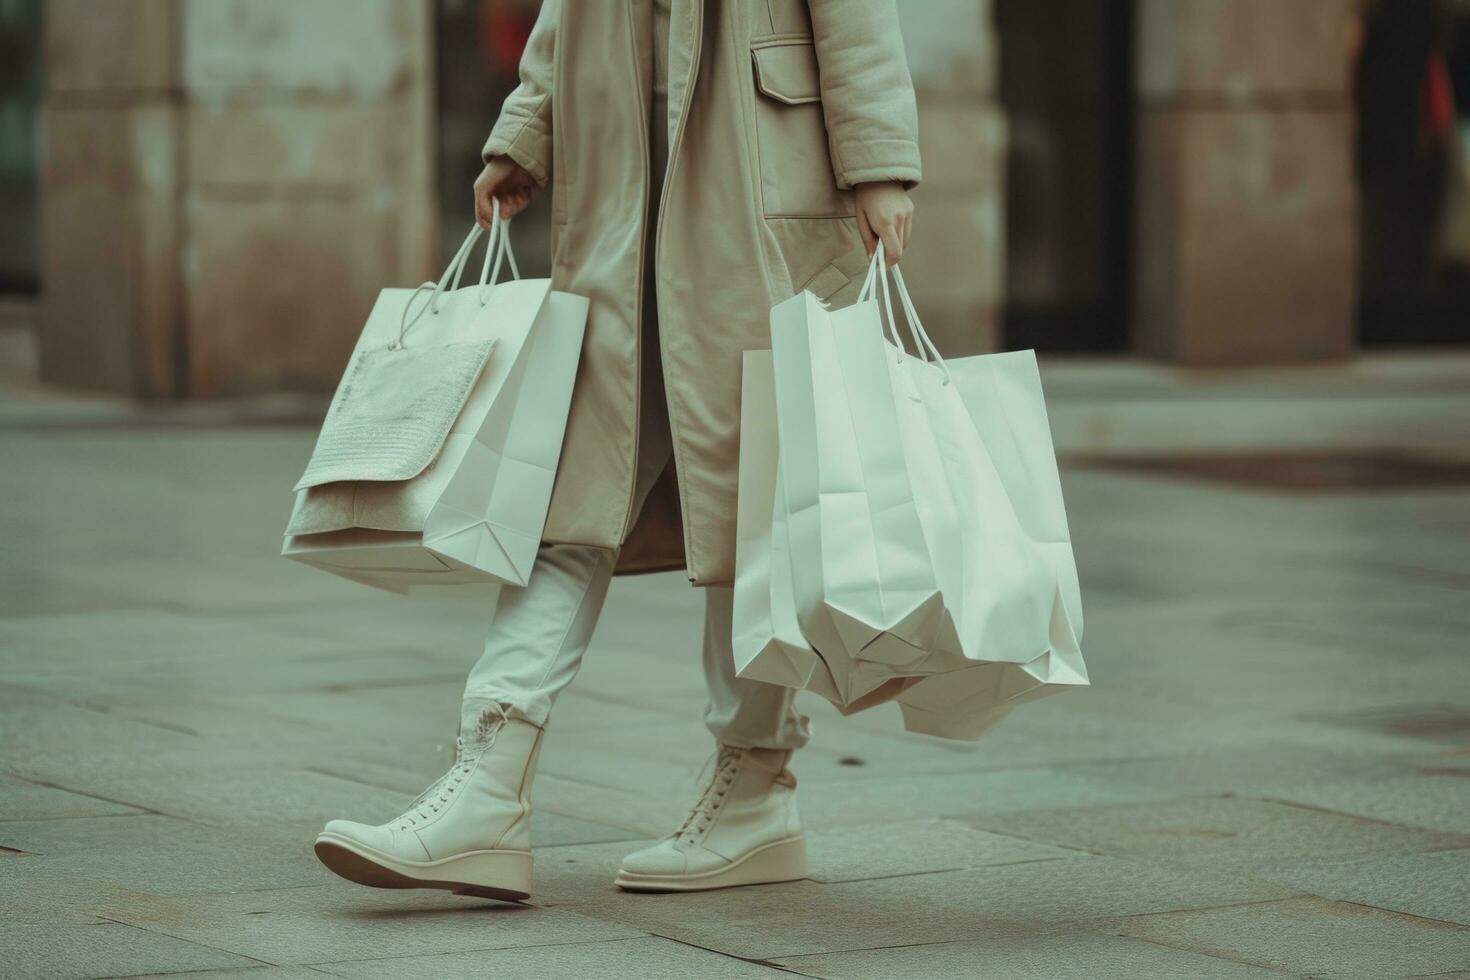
(706,159)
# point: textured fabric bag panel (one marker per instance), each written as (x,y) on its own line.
(393,411)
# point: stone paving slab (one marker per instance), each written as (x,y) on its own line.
(610,758)
(630,809)
(1276,771)
(1434,885)
(856,800)
(1311,936)
(342,668)
(1300,652)
(435,629)
(567,874)
(1440,801)
(76,863)
(215,582)
(1221,832)
(65,646)
(289,801)
(789,919)
(23,799)
(94,836)
(570,874)
(648,958)
(1017,954)
(341,921)
(915,847)
(228,863)
(62,951)
(85,750)
(549,829)
(582,709)
(244,973)
(28,588)
(807,917)
(49,896)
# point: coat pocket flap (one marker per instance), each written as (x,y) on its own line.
(786,69)
(393,411)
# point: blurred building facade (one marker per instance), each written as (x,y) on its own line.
(218,188)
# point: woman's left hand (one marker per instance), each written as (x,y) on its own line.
(884,213)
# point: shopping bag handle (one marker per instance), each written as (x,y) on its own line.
(878,273)
(497,251)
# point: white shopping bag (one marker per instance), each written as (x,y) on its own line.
(978,458)
(864,582)
(767,640)
(436,462)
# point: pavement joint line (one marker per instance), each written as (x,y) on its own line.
(611,826)
(1063,928)
(155,932)
(468,909)
(77,816)
(754,961)
(332,883)
(1455,926)
(1359,818)
(376,685)
(1199,952)
(1095,922)
(973,818)
(934,871)
(352,779)
(142,810)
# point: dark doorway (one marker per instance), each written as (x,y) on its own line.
(1066,84)
(20,96)
(479,49)
(1413,103)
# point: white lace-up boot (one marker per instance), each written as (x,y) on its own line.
(468,833)
(743,831)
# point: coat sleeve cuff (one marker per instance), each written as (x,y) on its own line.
(866,161)
(526,141)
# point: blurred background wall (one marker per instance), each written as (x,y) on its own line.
(201,198)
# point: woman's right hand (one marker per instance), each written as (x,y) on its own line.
(505,181)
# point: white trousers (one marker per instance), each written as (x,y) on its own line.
(540,633)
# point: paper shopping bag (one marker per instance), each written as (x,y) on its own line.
(430,470)
(862,574)
(977,457)
(767,639)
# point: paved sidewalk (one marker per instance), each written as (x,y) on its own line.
(1270,777)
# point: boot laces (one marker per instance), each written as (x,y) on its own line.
(467,753)
(726,767)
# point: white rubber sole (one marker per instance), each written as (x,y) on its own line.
(782,860)
(504,875)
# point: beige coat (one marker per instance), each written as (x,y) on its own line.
(777,109)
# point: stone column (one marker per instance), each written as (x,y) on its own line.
(1246,206)
(109,196)
(956,267)
(226,186)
